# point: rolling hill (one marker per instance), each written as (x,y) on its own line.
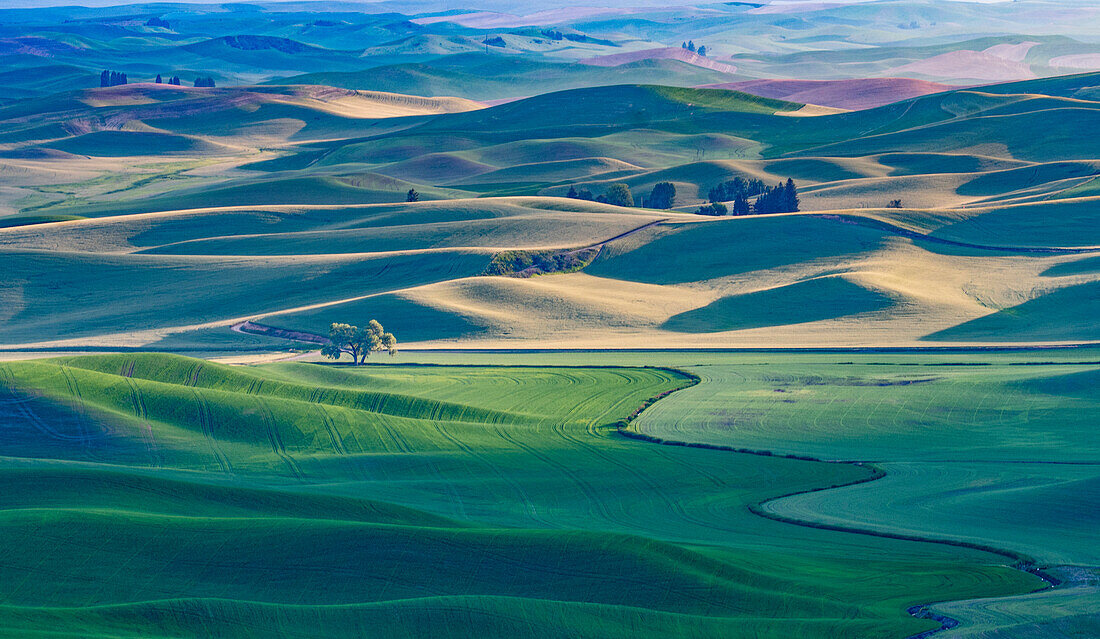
(614,410)
(310,184)
(492,491)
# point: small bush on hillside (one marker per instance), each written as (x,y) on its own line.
(894,204)
(529,263)
(412,196)
(717,208)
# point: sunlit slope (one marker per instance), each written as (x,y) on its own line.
(850,278)
(972,257)
(442,495)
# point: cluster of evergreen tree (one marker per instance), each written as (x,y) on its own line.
(553,34)
(206,82)
(495,41)
(157,22)
(738,191)
(781,198)
(174,80)
(111,78)
(690,46)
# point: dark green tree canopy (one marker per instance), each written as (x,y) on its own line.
(663,196)
(619,195)
(358,342)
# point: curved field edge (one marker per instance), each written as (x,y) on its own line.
(1020,561)
(594,419)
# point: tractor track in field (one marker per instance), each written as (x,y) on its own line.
(1020,561)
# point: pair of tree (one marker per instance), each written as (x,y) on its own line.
(583,194)
(206,82)
(358,342)
(412,196)
(111,78)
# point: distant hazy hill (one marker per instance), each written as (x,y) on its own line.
(844,94)
(666,53)
(487,76)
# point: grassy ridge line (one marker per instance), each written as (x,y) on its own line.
(893,227)
(1021,561)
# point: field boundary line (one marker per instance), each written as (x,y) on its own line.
(1020,561)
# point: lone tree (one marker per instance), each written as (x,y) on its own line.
(619,195)
(741,204)
(412,196)
(159,80)
(358,342)
(662,196)
(790,197)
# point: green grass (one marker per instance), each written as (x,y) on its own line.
(144,492)
(995,450)
(822,407)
